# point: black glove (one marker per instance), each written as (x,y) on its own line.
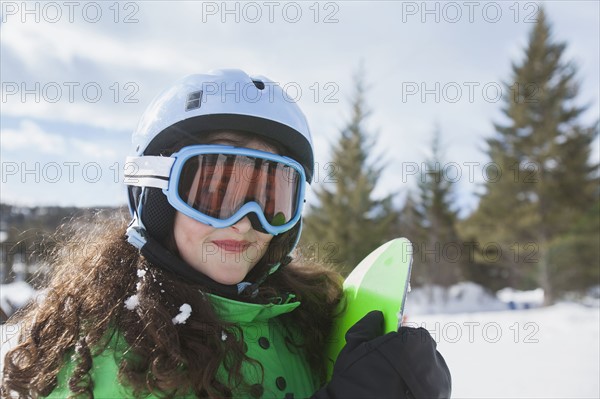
(403,364)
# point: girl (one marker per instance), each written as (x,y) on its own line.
(199,295)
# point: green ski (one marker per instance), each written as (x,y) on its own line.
(379,282)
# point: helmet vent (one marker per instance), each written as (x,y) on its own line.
(259,85)
(193,100)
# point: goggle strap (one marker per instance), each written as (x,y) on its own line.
(148,171)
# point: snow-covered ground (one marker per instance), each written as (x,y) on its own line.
(495,352)
(508,346)
(15,295)
(551,352)
(461,298)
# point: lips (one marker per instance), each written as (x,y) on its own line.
(232,245)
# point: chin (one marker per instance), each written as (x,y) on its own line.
(229,279)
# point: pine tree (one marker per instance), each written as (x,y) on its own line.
(348,223)
(542,181)
(410,224)
(574,256)
(438,248)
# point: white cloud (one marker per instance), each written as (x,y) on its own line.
(33,138)
(36,43)
(29,136)
(101,115)
(93,150)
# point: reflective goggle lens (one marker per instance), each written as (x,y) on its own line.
(218,185)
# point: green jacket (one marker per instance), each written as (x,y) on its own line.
(286,374)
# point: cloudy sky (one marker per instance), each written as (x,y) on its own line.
(76,77)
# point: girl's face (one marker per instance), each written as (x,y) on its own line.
(228,254)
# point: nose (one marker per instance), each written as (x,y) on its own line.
(243,225)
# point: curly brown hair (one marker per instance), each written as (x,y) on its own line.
(96,270)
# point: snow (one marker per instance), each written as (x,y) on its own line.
(551,352)
(521,298)
(185,311)
(508,346)
(461,298)
(9,335)
(15,295)
(141,273)
(132,302)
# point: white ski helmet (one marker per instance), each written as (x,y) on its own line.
(227,99)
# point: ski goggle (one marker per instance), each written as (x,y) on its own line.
(218,185)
